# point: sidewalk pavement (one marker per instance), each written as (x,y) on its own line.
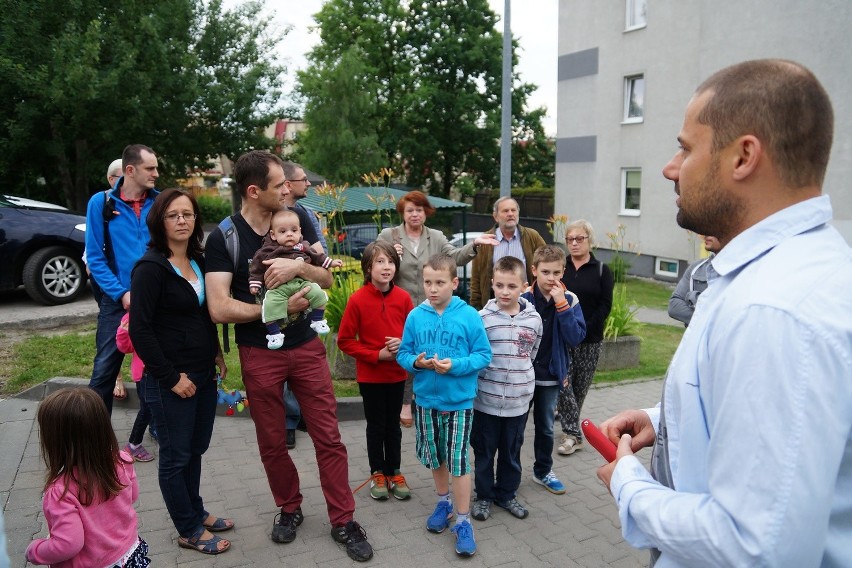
(579,528)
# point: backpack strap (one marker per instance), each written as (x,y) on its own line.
(108,214)
(232,245)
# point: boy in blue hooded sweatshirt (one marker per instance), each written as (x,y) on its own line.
(564,327)
(444,344)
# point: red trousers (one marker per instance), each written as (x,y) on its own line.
(306,372)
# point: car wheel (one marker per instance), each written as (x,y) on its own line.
(54,275)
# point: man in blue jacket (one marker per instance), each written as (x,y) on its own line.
(116,237)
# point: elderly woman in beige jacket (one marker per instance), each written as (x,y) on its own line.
(415,243)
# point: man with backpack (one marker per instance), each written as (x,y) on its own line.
(301,362)
(116,237)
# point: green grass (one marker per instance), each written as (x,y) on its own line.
(659,343)
(648,293)
(41,357)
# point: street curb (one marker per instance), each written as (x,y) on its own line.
(348,408)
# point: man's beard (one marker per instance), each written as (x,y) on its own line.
(713,211)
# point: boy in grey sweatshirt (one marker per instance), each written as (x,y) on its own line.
(505,390)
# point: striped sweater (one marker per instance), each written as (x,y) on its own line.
(506,386)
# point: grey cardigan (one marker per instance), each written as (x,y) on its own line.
(432,241)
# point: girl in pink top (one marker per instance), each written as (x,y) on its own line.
(90,488)
(134,445)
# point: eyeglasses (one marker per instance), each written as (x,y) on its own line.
(173,217)
(579,240)
(303,180)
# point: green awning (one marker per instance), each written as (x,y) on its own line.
(366,199)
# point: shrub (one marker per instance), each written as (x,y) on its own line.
(213,208)
(622,317)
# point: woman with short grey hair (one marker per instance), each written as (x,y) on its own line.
(592,281)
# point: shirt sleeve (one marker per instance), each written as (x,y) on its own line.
(347,335)
(679,308)
(480,349)
(65,525)
(778,431)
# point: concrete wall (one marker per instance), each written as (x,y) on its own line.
(683,43)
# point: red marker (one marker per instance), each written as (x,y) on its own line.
(598,441)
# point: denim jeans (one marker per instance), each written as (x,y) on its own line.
(503,437)
(184,427)
(543,412)
(108,358)
(291,407)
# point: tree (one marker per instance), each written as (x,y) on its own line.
(84,78)
(433,70)
(341,141)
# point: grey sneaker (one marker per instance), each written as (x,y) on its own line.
(514,507)
(481,509)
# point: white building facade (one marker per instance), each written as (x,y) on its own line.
(627,69)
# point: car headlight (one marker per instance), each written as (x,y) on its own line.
(80,227)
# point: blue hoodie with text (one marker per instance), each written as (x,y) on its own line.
(457,334)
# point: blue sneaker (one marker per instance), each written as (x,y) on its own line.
(440,519)
(551,483)
(465,543)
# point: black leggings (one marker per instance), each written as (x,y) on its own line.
(382,403)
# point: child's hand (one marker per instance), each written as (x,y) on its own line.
(254,290)
(392,344)
(442,366)
(423,363)
(386,355)
(125,324)
(336,263)
(557,293)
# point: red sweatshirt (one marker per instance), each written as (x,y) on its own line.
(370,316)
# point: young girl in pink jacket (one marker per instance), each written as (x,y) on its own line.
(134,445)
(90,487)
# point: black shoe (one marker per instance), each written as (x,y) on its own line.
(355,538)
(301,425)
(291,439)
(284,526)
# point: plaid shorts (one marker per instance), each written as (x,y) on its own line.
(443,438)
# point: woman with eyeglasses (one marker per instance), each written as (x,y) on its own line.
(592,281)
(173,334)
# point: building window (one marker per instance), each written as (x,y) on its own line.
(634,98)
(666,267)
(631,190)
(636,14)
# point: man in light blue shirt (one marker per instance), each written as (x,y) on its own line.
(752,462)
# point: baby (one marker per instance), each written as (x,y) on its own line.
(285,241)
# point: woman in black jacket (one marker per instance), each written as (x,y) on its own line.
(175,338)
(592,281)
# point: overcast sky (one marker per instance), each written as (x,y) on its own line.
(534,24)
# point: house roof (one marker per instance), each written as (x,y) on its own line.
(365,199)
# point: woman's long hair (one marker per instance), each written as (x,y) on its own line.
(78,443)
(157,225)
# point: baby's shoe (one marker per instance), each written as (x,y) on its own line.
(320,327)
(275,341)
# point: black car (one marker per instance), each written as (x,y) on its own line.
(353,239)
(41,248)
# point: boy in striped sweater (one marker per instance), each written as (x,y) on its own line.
(505,390)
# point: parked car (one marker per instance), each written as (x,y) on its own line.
(458,240)
(353,239)
(41,248)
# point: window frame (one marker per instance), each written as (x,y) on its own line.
(667,273)
(629,11)
(629,89)
(623,199)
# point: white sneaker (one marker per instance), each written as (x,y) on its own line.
(320,327)
(568,445)
(275,341)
